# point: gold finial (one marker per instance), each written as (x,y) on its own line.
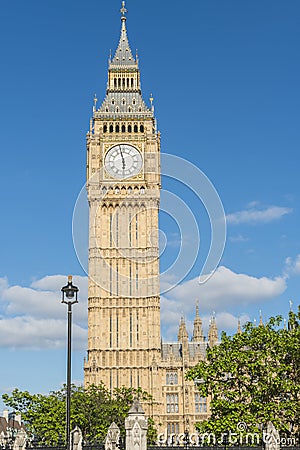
(70,278)
(123,11)
(95,103)
(151,99)
(95,100)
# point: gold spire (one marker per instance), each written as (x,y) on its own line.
(151,99)
(260,319)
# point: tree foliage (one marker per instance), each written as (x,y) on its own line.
(253,377)
(93,409)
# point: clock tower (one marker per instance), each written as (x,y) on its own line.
(123,186)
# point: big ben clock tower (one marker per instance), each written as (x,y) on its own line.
(123,185)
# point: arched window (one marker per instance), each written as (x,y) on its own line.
(119,82)
(123,129)
(113,101)
(105,129)
(135,129)
(129,109)
(129,128)
(200,404)
(117,129)
(172,378)
(111,128)
(115,82)
(131,82)
(142,129)
(123,101)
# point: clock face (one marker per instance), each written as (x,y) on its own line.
(123,161)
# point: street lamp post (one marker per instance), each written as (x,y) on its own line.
(69,297)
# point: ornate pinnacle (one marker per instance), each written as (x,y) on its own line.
(197,308)
(123,11)
(95,103)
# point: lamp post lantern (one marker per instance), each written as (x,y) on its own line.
(69,297)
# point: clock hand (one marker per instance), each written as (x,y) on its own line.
(123,160)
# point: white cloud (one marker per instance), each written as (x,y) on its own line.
(55,283)
(254,214)
(292,266)
(34,317)
(29,333)
(225,290)
(225,321)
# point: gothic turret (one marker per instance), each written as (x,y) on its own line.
(182,333)
(198,331)
(183,338)
(212,331)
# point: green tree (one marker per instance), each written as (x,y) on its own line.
(93,409)
(253,377)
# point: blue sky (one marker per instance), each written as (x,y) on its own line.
(225,79)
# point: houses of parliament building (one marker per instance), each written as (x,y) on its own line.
(123,187)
